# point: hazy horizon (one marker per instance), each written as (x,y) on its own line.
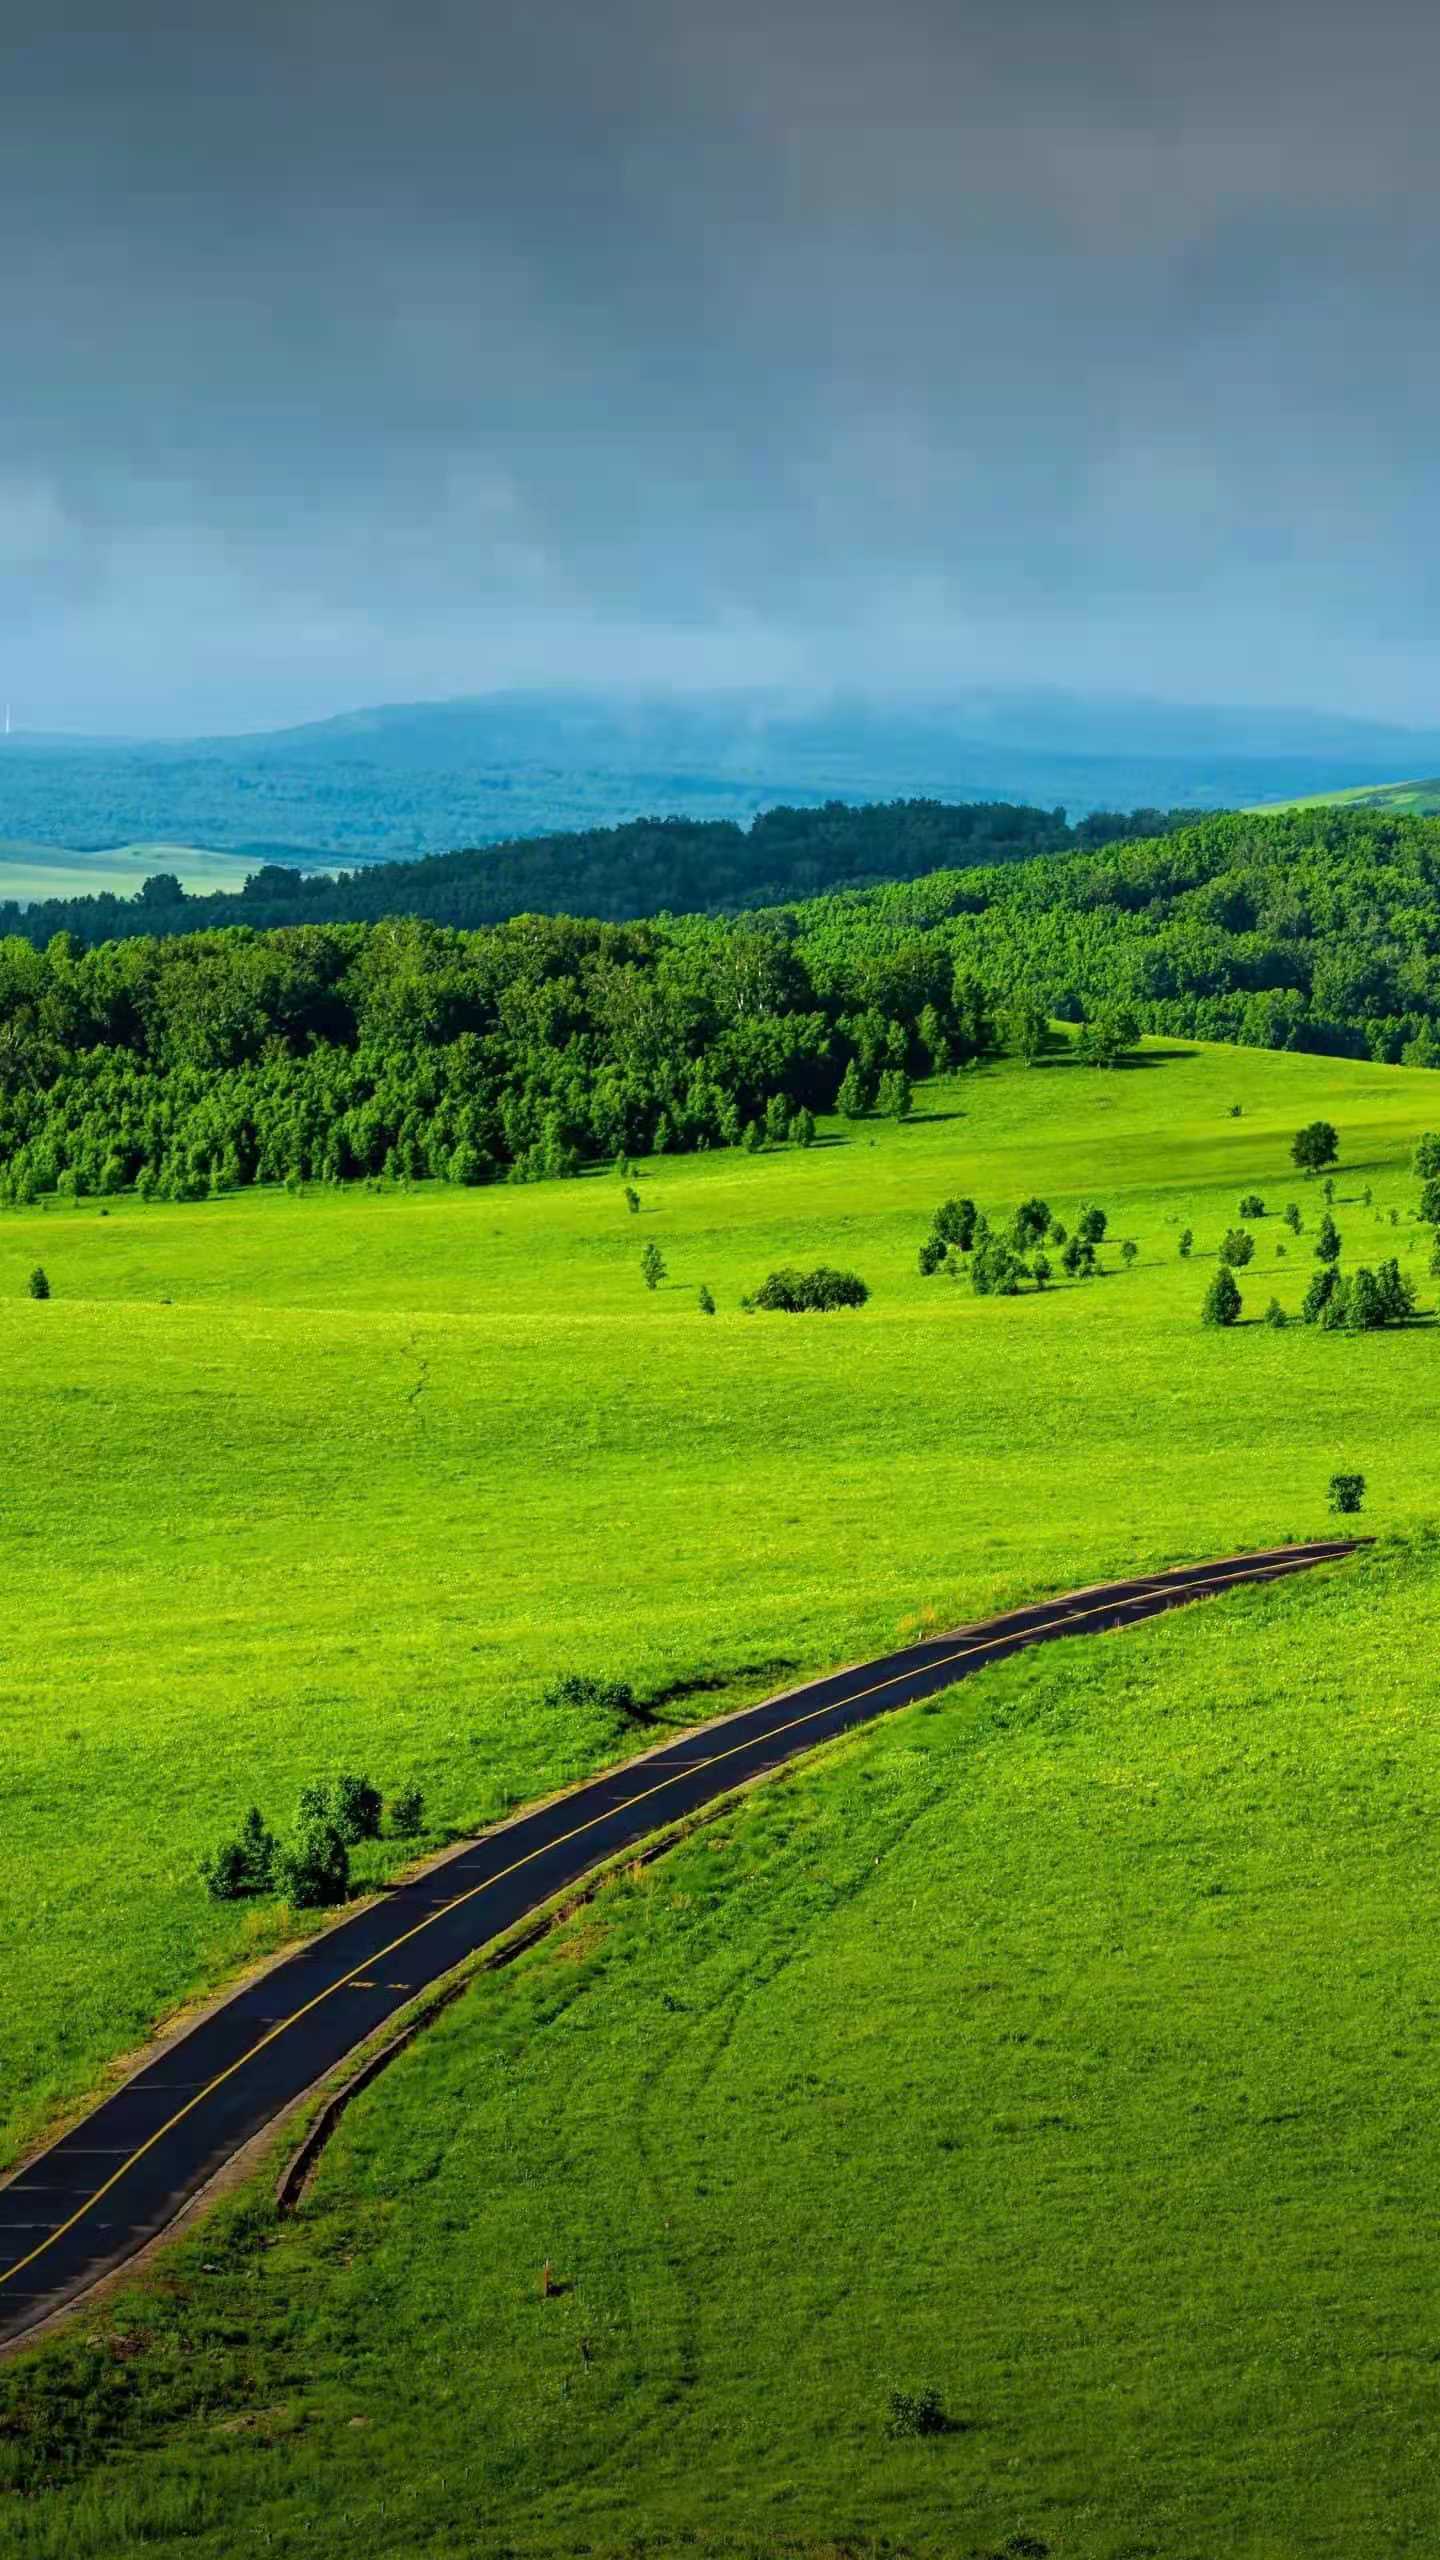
(374,355)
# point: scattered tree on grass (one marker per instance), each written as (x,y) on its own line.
(1040,1270)
(802,1128)
(1328,1189)
(1078,1259)
(753,1138)
(1319,1294)
(853,1099)
(954,1223)
(894,1097)
(652,1266)
(1428,1204)
(1252,1206)
(1186,1244)
(1025,1029)
(1128,1251)
(930,1257)
(1327,1241)
(1030,1224)
(704,1301)
(1293,1219)
(1314,1146)
(1237,1248)
(1222,1299)
(1275,1315)
(996,1270)
(1057,1234)
(1092,1226)
(795,1293)
(777,1119)
(38,1284)
(1347,1493)
(632,1199)
(1426,1160)
(1105,1041)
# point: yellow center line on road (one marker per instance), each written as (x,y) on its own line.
(1066,1617)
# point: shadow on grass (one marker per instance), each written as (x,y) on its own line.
(704,1688)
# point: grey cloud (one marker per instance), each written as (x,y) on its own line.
(357,350)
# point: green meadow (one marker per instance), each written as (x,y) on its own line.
(33,871)
(347,1479)
(1066,2048)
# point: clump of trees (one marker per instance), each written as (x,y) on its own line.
(312,1867)
(1365,1302)
(818,1292)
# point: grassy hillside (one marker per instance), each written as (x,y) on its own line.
(1065,2048)
(349,1478)
(1413,799)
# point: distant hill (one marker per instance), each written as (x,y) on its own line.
(404,780)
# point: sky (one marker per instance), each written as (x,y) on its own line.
(366,350)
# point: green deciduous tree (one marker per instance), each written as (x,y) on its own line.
(1314,1146)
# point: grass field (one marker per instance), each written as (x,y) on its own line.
(1066,2047)
(346,1479)
(29,871)
(1407,799)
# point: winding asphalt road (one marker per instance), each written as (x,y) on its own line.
(116,2180)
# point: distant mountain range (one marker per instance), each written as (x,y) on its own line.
(417,778)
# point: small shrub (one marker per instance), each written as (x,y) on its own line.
(1347,1493)
(1293,1219)
(704,1301)
(1186,1243)
(39,1286)
(1237,1248)
(407,1813)
(916,2413)
(1092,1226)
(313,1870)
(1327,1240)
(1128,1251)
(1275,1316)
(802,1128)
(579,1690)
(1252,1206)
(652,1266)
(355,1809)
(632,1199)
(794,1293)
(930,1257)
(1040,1270)
(244,1865)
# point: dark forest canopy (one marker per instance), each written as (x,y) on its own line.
(647,867)
(409,1049)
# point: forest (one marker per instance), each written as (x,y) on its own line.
(649,866)
(407,1049)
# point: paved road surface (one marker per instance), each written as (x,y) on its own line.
(118,2178)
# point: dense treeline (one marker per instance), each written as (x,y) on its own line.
(649,867)
(332,1052)
(1313,929)
(410,1049)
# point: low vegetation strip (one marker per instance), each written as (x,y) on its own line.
(161,2137)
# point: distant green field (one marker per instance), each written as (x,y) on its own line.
(51,871)
(972,2064)
(1412,799)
